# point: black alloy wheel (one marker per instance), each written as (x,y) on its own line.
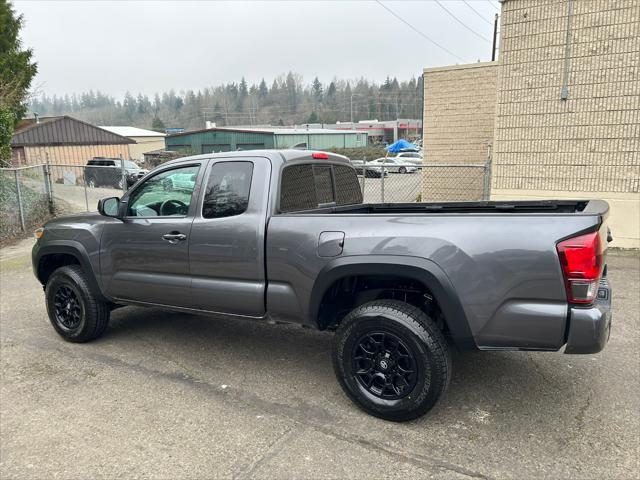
(384,365)
(68,310)
(76,311)
(391,359)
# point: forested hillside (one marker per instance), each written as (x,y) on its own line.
(286,101)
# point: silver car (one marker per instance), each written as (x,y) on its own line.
(394,165)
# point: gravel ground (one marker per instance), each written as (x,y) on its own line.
(171,395)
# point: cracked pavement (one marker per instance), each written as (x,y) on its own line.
(173,395)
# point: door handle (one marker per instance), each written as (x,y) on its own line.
(174,237)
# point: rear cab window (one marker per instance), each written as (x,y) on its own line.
(312,185)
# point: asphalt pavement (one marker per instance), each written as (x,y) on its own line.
(171,395)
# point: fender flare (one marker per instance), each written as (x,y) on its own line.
(76,250)
(423,270)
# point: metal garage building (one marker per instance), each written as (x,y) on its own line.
(231,139)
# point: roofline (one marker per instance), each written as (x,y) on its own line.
(282,156)
(215,129)
(462,66)
(257,130)
(152,133)
(57,119)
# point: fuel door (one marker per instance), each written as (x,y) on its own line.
(330,244)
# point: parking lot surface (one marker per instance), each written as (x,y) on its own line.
(171,395)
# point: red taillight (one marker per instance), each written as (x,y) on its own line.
(581,261)
(320,155)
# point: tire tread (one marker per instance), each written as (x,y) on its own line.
(431,336)
(97,312)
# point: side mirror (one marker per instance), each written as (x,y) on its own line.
(109,207)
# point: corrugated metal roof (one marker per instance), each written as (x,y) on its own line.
(126,131)
(63,130)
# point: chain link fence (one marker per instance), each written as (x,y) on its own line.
(30,195)
(24,199)
(77,188)
(421,182)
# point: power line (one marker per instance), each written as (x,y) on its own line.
(493,5)
(462,23)
(425,36)
(476,12)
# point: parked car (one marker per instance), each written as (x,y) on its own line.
(283,236)
(410,157)
(369,171)
(394,165)
(107,172)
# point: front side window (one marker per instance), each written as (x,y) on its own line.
(167,194)
(227,191)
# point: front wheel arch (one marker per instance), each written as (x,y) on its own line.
(54,255)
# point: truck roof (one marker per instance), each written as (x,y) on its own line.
(276,156)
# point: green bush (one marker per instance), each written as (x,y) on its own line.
(35,206)
(6,132)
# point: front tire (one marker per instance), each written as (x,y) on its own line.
(392,360)
(402,170)
(74,311)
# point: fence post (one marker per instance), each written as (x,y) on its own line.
(364,174)
(124,175)
(47,187)
(47,182)
(382,172)
(84,181)
(20,206)
(486,187)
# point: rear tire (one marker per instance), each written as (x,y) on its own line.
(402,170)
(74,311)
(392,360)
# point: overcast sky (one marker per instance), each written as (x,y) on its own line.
(152,46)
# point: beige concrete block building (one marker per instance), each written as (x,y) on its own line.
(565,109)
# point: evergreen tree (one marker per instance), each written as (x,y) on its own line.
(263,91)
(16,73)
(316,87)
(157,125)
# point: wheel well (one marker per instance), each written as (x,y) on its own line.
(49,263)
(349,292)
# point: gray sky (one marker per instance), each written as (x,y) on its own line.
(150,46)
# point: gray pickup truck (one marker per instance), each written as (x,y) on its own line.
(284,236)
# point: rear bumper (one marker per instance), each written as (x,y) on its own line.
(589,328)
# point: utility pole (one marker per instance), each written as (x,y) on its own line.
(351,111)
(495,36)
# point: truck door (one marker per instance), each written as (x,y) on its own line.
(145,257)
(226,245)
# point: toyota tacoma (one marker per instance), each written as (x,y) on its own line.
(284,236)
